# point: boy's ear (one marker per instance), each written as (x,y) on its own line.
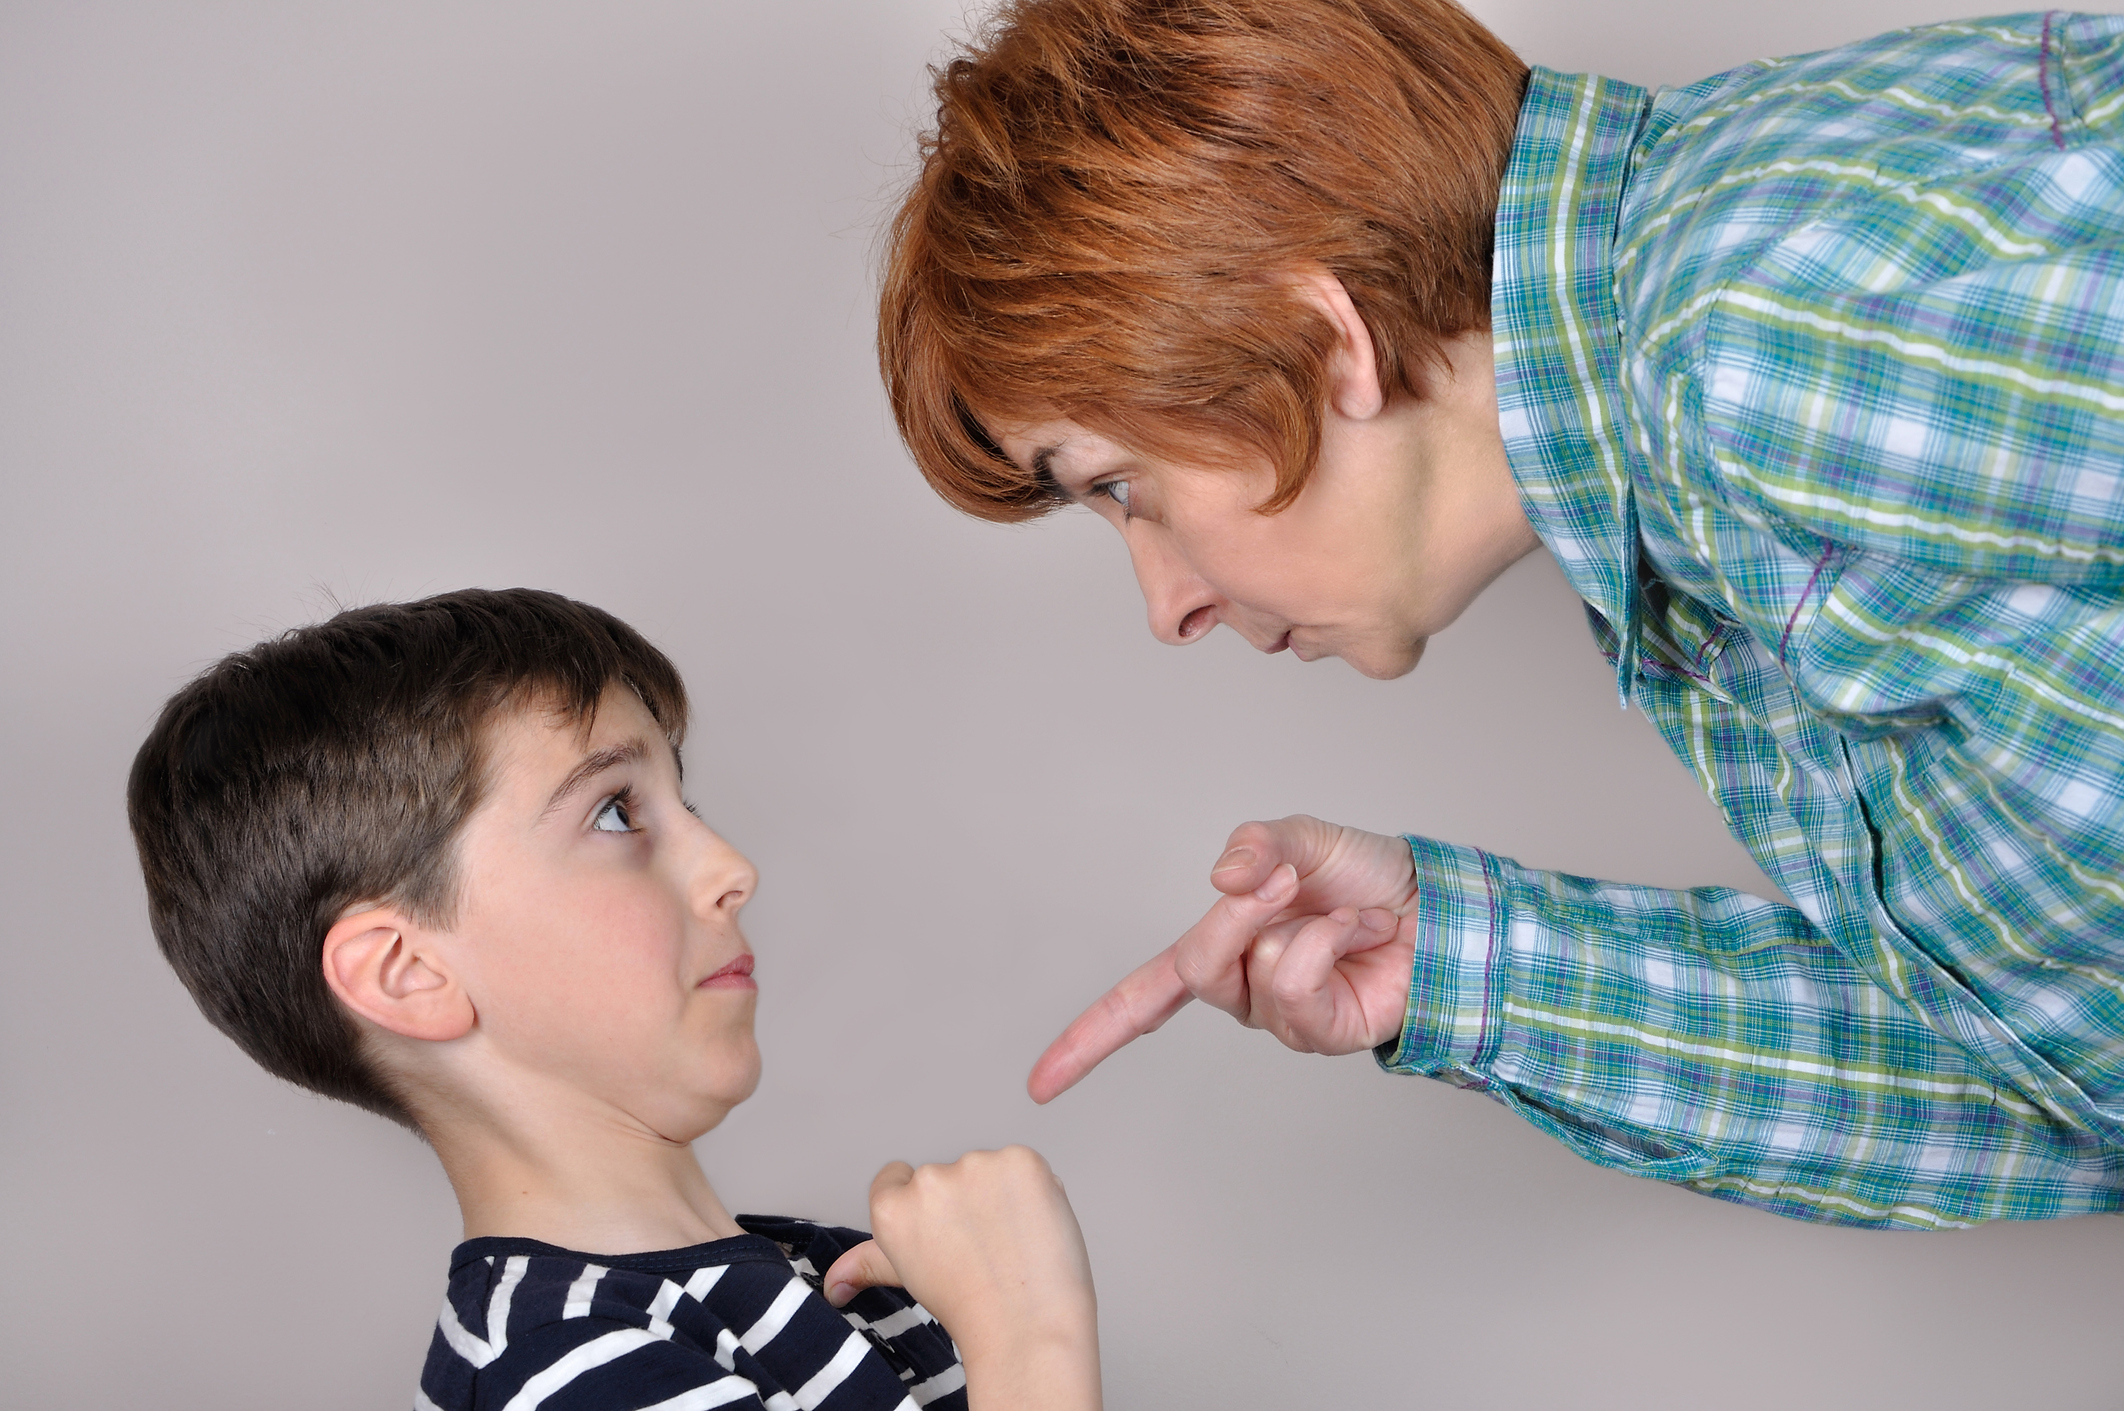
(386,968)
(1353,369)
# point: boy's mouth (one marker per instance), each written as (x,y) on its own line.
(737,975)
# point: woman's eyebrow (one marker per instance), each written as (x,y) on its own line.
(592,765)
(1043,469)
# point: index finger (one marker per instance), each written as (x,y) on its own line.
(1148,996)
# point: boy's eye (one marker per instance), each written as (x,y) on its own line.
(614,817)
(1115,490)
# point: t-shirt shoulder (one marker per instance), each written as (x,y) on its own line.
(734,1322)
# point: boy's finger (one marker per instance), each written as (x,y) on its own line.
(1150,995)
(860,1268)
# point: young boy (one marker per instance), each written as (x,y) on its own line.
(432,859)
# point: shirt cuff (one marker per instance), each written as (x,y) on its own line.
(1451,1024)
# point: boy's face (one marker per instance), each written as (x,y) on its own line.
(597,928)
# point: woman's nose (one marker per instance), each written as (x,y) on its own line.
(1182,607)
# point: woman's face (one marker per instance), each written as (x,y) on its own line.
(1410,512)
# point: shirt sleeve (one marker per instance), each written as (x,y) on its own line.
(1718,1041)
(1937,374)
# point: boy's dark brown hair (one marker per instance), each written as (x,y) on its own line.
(334,766)
(1113,196)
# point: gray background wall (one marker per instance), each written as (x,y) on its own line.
(303,303)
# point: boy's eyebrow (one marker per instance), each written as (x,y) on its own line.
(592,765)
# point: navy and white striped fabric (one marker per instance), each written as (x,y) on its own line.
(736,1322)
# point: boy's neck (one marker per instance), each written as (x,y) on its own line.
(595,1183)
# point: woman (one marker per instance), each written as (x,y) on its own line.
(1808,375)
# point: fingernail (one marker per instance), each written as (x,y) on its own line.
(1376,918)
(1280,884)
(839,1294)
(1233,861)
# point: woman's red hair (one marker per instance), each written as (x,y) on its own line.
(1117,190)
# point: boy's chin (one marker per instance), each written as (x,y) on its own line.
(731,1083)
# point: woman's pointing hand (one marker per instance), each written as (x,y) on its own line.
(1312,941)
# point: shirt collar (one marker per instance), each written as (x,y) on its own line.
(1557,338)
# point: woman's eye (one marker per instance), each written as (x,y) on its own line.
(1115,490)
(614,817)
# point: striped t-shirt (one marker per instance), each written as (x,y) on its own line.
(736,1322)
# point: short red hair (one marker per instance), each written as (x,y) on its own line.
(1113,189)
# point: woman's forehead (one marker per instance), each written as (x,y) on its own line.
(1057,443)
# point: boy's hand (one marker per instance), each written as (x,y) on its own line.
(989,1245)
(1313,941)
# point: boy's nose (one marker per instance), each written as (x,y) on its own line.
(723,878)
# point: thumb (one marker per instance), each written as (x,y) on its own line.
(1210,958)
(1255,850)
(860,1268)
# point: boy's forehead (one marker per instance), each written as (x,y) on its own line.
(535,744)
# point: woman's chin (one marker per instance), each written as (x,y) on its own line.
(1382,661)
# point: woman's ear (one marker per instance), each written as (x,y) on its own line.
(1353,370)
(389,969)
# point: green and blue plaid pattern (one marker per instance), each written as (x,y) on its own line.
(1812,378)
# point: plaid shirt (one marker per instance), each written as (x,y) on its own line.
(1811,377)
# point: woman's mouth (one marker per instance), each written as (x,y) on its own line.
(1278,645)
(737,975)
